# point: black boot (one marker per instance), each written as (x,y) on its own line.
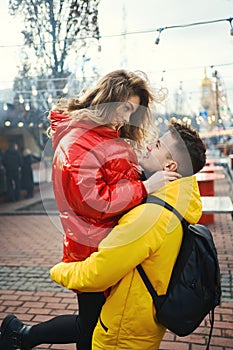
(13,333)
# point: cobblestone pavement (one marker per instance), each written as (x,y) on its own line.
(27,278)
(38,279)
(30,243)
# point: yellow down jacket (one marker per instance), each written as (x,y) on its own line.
(148,234)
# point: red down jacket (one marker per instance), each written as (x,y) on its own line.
(96,178)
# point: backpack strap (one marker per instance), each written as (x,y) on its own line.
(159,201)
(158,300)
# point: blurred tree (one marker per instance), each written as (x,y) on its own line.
(54,28)
(57,35)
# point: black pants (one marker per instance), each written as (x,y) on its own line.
(90,305)
(13,186)
(66,329)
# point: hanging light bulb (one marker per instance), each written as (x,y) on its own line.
(99,45)
(50,99)
(21,99)
(27,107)
(34,91)
(158,38)
(20,124)
(5,106)
(65,89)
(230,20)
(214,75)
(162,78)
(7,123)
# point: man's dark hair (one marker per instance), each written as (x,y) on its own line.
(192,144)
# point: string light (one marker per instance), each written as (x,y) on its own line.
(160,30)
(230,19)
(21,100)
(35,92)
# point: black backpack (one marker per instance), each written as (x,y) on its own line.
(194,289)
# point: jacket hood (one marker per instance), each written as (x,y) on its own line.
(62,124)
(184,196)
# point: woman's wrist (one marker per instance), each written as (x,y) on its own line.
(146,185)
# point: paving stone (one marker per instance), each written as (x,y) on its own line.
(31,244)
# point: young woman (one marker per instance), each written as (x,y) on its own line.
(96,179)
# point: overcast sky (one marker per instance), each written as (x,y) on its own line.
(182,53)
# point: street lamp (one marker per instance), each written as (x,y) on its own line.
(216,82)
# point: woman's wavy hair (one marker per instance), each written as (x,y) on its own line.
(99,103)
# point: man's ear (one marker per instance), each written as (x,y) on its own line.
(170,165)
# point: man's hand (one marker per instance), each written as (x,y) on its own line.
(61,273)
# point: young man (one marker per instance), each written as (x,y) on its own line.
(148,234)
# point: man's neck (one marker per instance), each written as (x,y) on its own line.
(146,174)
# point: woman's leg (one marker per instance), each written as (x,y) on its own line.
(16,335)
(70,328)
(90,305)
(64,329)
(59,330)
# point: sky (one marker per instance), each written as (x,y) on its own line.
(180,57)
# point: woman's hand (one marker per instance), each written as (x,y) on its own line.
(160,179)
